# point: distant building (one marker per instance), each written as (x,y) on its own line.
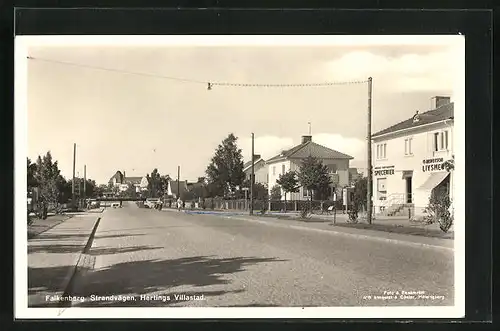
(354,175)
(409,157)
(116,179)
(260,170)
(290,160)
(174,187)
(123,183)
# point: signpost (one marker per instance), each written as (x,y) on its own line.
(246,197)
(334,207)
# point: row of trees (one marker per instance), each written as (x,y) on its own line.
(52,188)
(226,177)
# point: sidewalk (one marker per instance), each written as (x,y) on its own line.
(329,227)
(53,256)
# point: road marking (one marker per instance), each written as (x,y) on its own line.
(347,234)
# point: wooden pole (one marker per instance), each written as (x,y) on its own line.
(252,177)
(369,156)
(84,182)
(73,197)
(178,182)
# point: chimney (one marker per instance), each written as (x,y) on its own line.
(439,101)
(256,157)
(306,139)
(124,175)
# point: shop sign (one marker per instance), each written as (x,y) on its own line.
(383,171)
(435,164)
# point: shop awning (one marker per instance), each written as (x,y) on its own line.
(434,180)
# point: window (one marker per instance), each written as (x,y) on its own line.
(332,168)
(440,141)
(274,171)
(381,151)
(305,192)
(408,150)
(283,169)
(381,188)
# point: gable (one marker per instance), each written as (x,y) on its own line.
(318,151)
(432,116)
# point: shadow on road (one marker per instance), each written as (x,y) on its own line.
(65,237)
(159,276)
(58,249)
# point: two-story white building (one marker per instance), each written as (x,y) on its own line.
(291,160)
(260,170)
(408,160)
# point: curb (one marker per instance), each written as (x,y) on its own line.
(82,261)
(354,235)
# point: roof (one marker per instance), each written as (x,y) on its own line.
(249,163)
(183,186)
(118,175)
(310,148)
(431,116)
(133,180)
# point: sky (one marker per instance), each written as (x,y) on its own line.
(135,123)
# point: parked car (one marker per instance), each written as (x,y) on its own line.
(151,202)
(115,205)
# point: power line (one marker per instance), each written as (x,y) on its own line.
(210,84)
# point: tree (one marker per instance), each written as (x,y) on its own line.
(260,192)
(65,189)
(131,191)
(313,176)
(99,190)
(289,183)
(31,172)
(276,192)
(47,177)
(225,171)
(360,192)
(157,184)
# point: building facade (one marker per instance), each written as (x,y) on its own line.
(260,170)
(408,160)
(291,160)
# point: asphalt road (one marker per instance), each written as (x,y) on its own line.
(152,258)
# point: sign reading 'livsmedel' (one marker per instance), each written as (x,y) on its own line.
(436,164)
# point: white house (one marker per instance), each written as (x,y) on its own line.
(290,160)
(260,170)
(408,160)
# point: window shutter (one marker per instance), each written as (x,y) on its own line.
(430,143)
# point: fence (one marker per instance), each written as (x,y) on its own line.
(258,205)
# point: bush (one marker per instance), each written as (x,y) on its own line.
(305,212)
(438,211)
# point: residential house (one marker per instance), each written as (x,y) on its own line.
(260,170)
(123,183)
(408,159)
(116,179)
(174,186)
(135,182)
(291,160)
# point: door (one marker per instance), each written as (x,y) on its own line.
(408,190)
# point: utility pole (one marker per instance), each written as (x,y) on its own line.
(84,182)
(369,156)
(73,198)
(252,178)
(178,182)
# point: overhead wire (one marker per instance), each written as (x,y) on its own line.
(208,83)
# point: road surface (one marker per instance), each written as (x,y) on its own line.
(155,258)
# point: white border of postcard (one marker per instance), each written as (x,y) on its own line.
(22,44)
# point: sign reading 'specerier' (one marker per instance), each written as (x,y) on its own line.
(383,171)
(435,164)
